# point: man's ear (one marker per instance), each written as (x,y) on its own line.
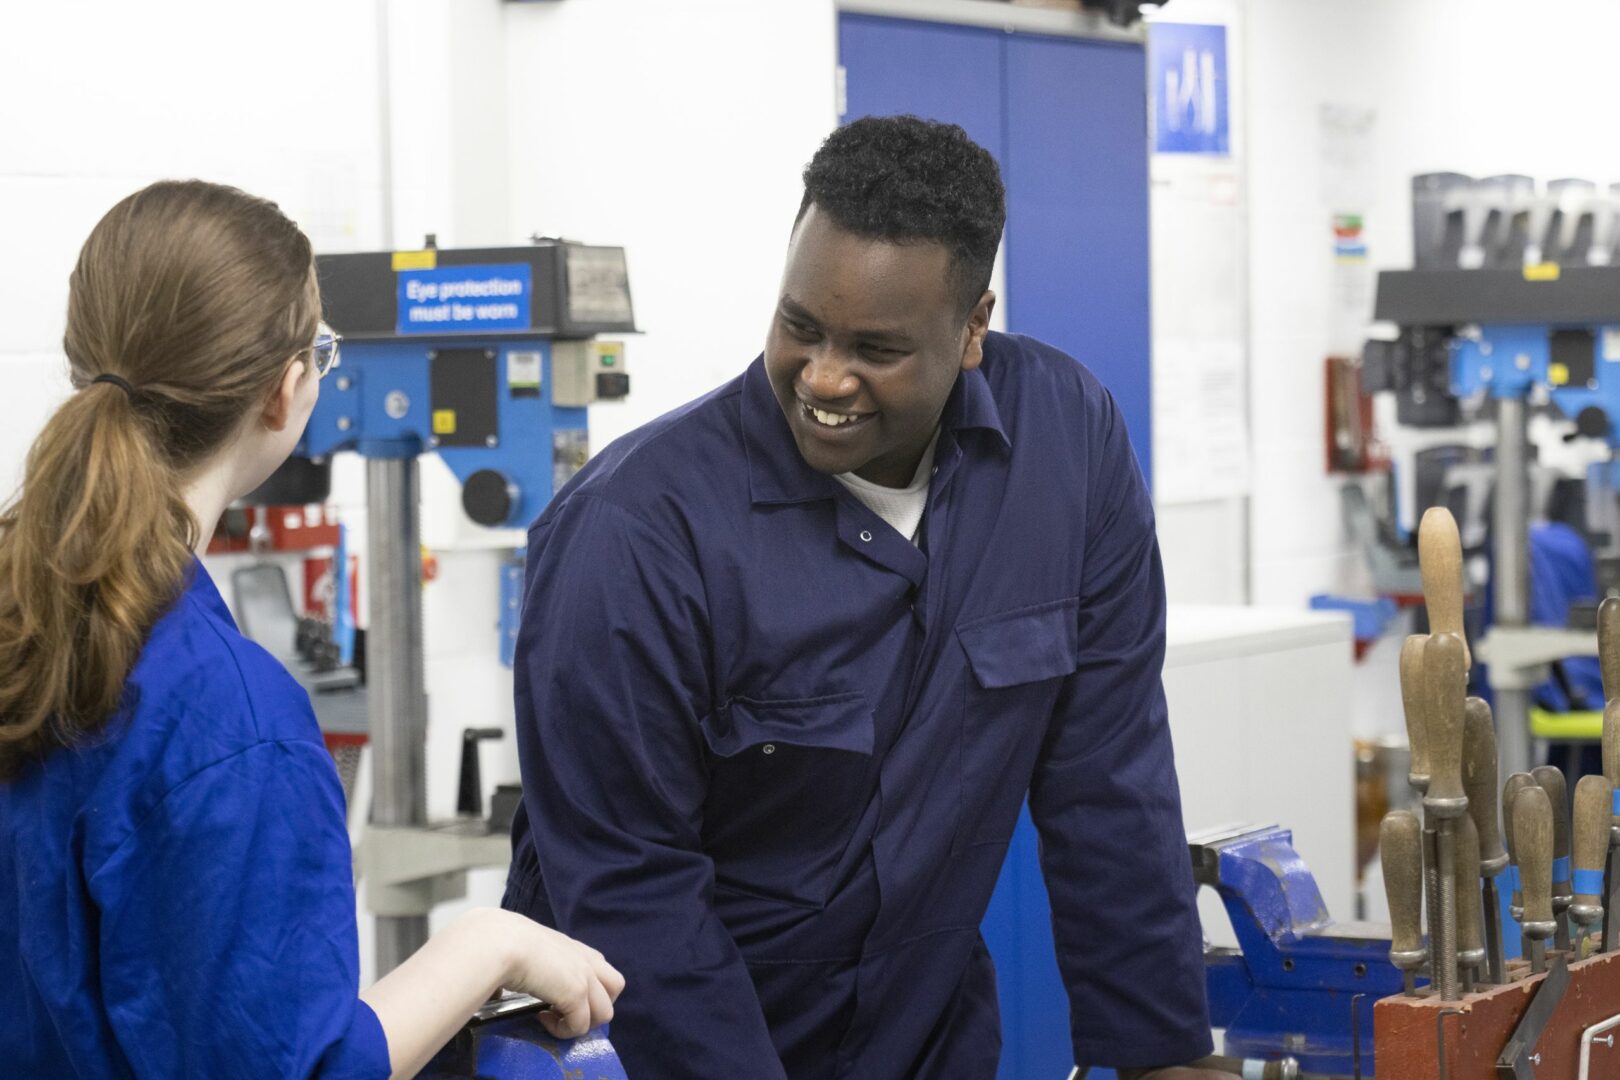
(278,409)
(978,325)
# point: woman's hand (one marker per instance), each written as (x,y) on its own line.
(425,1001)
(572,978)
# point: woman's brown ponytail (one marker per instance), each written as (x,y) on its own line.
(193,296)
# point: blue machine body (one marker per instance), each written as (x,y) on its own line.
(1508,360)
(1299,985)
(481,397)
(452,351)
(379,403)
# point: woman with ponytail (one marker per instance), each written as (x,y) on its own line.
(176,895)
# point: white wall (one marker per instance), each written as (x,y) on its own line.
(103,97)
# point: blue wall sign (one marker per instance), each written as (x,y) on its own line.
(455,299)
(1191,106)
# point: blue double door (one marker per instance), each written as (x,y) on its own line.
(1067,121)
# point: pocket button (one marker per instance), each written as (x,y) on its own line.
(768,748)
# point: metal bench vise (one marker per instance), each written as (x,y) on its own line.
(1299,985)
(504,1041)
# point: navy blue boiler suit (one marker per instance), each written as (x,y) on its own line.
(773,753)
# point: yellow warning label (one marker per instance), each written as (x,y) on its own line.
(416,260)
(444,421)
(1541,272)
(1558,374)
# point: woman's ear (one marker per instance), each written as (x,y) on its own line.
(278,410)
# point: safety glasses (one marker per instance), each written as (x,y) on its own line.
(325,350)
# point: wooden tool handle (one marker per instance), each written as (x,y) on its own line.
(1440,563)
(1550,779)
(1533,837)
(1608,631)
(1594,797)
(1611,741)
(1414,698)
(1469,937)
(1445,673)
(1400,846)
(1511,788)
(1479,781)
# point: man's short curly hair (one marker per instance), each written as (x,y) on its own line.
(902,179)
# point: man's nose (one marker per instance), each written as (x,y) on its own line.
(827,375)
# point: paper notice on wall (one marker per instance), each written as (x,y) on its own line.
(1200,420)
(1348,181)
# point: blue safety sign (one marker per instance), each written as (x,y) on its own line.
(1191,106)
(457,299)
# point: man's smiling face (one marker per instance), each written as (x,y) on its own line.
(865,346)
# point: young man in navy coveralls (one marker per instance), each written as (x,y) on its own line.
(793,656)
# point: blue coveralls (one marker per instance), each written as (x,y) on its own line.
(773,753)
(177,898)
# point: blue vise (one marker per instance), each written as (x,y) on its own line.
(1299,985)
(504,1041)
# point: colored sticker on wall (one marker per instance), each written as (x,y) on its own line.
(459,299)
(1348,245)
(1187,76)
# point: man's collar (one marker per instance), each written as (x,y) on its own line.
(972,405)
(777,472)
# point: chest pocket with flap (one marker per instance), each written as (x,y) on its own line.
(1016,659)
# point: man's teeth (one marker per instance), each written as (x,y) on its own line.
(831,419)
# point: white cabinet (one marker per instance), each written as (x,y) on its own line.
(1261,716)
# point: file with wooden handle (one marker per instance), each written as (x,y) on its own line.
(1594,799)
(1414,698)
(1445,674)
(1470,939)
(1551,780)
(1611,744)
(1479,783)
(1608,633)
(1399,849)
(1533,840)
(1611,770)
(1511,787)
(1441,567)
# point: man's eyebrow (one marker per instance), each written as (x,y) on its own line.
(795,310)
(792,307)
(886,337)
